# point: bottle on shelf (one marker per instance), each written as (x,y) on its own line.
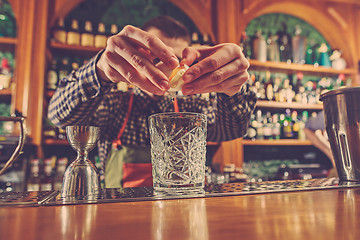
(64,68)
(195,41)
(276,127)
(287,125)
(73,36)
(284,45)
(295,125)
(302,123)
(87,36)
(299,44)
(260,125)
(114,29)
(269,86)
(59,32)
(259,47)
(46,181)
(268,126)
(52,76)
(324,55)
(273,53)
(33,181)
(100,37)
(206,40)
(59,174)
(251,131)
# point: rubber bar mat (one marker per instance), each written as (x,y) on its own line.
(111,195)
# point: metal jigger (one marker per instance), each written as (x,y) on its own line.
(81,178)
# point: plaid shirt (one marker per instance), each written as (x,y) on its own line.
(83,99)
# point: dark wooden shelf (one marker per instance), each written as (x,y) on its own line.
(5,92)
(8,40)
(280,142)
(284,105)
(292,68)
(50,141)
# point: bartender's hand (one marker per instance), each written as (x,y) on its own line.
(128,57)
(222,68)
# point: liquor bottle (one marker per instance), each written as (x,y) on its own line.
(100,37)
(59,174)
(206,40)
(114,29)
(64,68)
(251,131)
(295,124)
(259,47)
(302,123)
(59,32)
(299,44)
(87,37)
(195,41)
(272,47)
(297,86)
(324,56)
(260,125)
(269,86)
(276,127)
(73,36)
(268,126)
(277,88)
(52,76)
(46,182)
(284,45)
(33,182)
(287,125)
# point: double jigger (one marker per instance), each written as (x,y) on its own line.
(81,178)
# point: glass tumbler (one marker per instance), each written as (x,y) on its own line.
(178,151)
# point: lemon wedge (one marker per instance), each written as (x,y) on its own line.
(175,79)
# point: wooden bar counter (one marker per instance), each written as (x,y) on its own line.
(316,214)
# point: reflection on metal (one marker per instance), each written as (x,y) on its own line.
(112,195)
(22,136)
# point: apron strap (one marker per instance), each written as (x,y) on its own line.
(117,141)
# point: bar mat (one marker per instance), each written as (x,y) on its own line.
(112,195)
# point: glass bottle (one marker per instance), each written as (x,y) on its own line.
(87,36)
(52,76)
(59,174)
(59,32)
(46,183)
(195,41)
(33,182)
(287,125)
(273,53)
(284,45)
(73,36)
(299,44)
(100,37)
(259,47)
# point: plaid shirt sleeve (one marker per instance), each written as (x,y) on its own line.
(232,116)
(77,96)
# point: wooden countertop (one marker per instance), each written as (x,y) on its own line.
(317,214)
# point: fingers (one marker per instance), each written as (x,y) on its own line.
(221,69)
(118,69)
(152,43)
(214,58)
(139,62)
